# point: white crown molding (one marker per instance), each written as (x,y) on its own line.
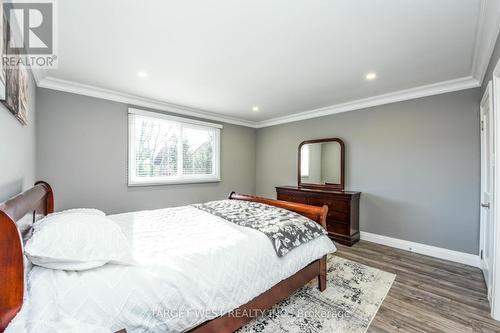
(398,96)
(116,96)
(433,251)
(488,27)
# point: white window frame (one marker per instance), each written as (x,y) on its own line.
(133,180)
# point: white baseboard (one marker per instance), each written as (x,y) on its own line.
(432,251)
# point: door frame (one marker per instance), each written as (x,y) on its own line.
(495,273)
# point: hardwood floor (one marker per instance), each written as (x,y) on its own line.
(428,295)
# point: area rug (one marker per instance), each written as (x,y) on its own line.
(353,297)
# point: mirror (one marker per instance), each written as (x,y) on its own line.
(321,164)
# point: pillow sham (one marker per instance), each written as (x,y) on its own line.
(77,241)
(91,211)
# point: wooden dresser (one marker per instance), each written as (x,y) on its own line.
(343,209)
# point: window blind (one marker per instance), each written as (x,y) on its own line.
(165,150)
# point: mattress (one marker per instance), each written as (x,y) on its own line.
(192,266)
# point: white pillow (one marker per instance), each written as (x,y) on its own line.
(77,241)
(92,211)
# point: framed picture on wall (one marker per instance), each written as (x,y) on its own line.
(15,86)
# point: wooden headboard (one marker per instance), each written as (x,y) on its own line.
(17,216)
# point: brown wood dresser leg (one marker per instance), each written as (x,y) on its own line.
(322,274)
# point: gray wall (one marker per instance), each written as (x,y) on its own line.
(416,162)
(82,152)
(17,150)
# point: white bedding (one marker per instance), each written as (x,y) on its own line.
(192,267)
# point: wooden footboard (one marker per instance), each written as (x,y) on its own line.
(315,213)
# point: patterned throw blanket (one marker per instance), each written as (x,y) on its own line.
(286,230)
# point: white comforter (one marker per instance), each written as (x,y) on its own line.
(192,267)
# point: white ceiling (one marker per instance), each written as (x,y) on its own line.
(287,57)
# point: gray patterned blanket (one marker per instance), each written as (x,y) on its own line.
(286,229)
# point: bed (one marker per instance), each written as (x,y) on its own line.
(236,290)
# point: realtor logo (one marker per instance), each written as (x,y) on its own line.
(35,25)
(30,36)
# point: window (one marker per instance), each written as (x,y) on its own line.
(304,161)
(172,150)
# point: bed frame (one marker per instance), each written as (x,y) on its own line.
(18,214)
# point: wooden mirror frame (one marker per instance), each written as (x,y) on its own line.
(338,187)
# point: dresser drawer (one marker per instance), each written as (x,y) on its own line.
(338,216)
(292,198)
(337,228)
(336,205)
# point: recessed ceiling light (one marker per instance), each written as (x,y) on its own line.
(371,76)
(255,108)
(142,74)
